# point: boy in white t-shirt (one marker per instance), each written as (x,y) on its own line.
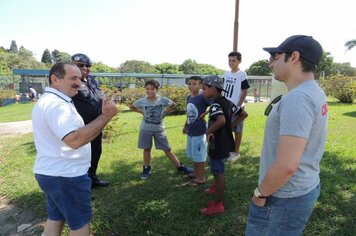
(236,86)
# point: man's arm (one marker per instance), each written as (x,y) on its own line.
(289,155)
(87,133)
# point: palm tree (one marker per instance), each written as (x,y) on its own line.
(350,44)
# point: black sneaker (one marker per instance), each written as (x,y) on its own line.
(146,173)
(185,170)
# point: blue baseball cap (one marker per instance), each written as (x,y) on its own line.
(81,58)
(309,48)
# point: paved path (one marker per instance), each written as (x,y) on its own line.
(19,127)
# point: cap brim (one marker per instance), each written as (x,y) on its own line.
(273,50)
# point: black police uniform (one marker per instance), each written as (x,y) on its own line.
(88,103)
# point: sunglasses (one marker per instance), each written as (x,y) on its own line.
(270,105)
(82,65)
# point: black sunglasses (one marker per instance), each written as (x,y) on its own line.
(270,105)
(82,65)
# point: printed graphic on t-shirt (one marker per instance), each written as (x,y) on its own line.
(192,113)
(229,87)
(153,114)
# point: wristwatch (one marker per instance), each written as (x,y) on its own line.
(258,194)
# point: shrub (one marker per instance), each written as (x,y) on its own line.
(178,94)
(340,87)
(6,94)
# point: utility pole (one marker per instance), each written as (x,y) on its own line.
(236,25)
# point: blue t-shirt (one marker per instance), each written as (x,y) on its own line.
(195,107)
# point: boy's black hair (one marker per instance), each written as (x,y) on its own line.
(235,54)
(194,77)
(154,83)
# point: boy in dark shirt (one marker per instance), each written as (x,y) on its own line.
(220,138)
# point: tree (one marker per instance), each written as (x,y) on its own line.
(350,44)
(189,66)
(260,67)
(46,57)
(167,68)
(13,47)
(102,68)
(59,56)
(135,66)
(326,65)
(344,69)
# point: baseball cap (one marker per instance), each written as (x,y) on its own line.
(214,81)
(82,58)
(309,48)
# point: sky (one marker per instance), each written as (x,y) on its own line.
(158,31)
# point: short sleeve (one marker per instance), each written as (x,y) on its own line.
(215,111)
(62,120)
(297,115)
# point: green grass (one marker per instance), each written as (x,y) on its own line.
(162,206)
(16,112)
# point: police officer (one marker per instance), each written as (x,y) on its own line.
(88,102)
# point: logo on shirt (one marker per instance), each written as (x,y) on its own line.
(324,109)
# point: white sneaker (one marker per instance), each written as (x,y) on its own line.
(233,156)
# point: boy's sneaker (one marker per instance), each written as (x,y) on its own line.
(185,170)
(213,209)
(146,173)
(233,156)
(211,189)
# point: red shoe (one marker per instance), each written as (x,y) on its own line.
(211,189)
(213,209)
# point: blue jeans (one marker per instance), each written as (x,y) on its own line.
(281,216)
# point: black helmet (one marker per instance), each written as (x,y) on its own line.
(82,58)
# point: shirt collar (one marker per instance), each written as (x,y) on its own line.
(58,93)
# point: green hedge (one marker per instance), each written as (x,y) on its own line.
(340,87)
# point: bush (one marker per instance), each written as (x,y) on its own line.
(178,94)
(340,87)
(6,94)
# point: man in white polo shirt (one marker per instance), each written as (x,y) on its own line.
(63,151)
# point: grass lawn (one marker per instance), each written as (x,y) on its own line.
(162,206)
(16,112)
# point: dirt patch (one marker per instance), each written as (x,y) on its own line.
(15,221)
(14,128)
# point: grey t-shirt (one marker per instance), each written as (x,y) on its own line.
(152,112)
(302,112)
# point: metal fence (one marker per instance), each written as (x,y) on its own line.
(21,79)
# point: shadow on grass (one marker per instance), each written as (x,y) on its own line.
(162,205)
(351,114)
(334,213)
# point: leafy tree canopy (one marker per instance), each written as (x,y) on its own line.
(46,57)
(13,47)
(260,67)
(135,66)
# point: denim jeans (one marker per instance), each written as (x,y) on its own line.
(281,216)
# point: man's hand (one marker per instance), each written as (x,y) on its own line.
(109,108)
(261,202)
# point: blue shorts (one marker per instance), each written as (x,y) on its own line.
(145,140)
(196,148)
(67,199)
(281,216)
(217,166)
